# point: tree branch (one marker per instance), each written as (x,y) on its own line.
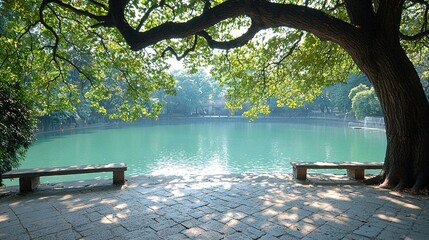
(77,68)
(207,5)
(185,53)
(76,10)
(415,37)
(423,29)
(147,14)
(361,13)
(266,14)
(238,42)
(388,17)
(50,28)
(105,7)
(286,55)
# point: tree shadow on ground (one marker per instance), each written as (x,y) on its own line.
(240,206)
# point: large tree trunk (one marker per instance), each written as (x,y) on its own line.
(406,113)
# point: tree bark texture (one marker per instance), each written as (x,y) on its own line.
(406,113)
(397,84)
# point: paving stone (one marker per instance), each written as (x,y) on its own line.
(236,236)
(191,223)
(178,236)
(324,234)
(36,225)
(173,230)
(143,234)
(219,208)
(135,223)
(76,218)
(342,224)
(416,235)
(197,214)
(247,210)
(193,232)
(368,231)
(387,234)
(211,235)
(301,229)
(178,217)
(315,219)
(253,232)
(160,225)
(49,229)
(254,220)
(30,207)
(274,229)
(93,228)
(353,236)
(10,223)
(40,215)
(14,232)
(66,234)
(421,228)
(101,209)
(213,225)
(119,231)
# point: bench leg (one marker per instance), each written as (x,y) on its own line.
(300,173)
(27,184)
(118,177)
(357,174)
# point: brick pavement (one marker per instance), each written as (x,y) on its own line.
(242,206)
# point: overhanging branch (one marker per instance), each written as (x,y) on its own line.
(266,14)
(238,42)
(76,10)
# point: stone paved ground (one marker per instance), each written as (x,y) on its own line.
(246,206)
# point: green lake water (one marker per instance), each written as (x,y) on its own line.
(205,147)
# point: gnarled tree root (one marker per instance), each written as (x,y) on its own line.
(416,188)
(374,180)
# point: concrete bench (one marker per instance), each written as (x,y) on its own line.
(30,178)
(355,170)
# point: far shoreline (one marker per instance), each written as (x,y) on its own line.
(182,119)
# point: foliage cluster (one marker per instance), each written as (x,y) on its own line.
(194,92)
(17,123)
(364,102)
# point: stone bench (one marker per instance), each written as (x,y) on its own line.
(355,170)
(30,178)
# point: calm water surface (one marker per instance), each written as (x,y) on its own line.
(209,147)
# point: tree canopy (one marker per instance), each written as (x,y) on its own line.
(76,51)
(56,40)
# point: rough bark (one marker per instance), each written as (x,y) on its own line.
(398,87)
(406,113)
